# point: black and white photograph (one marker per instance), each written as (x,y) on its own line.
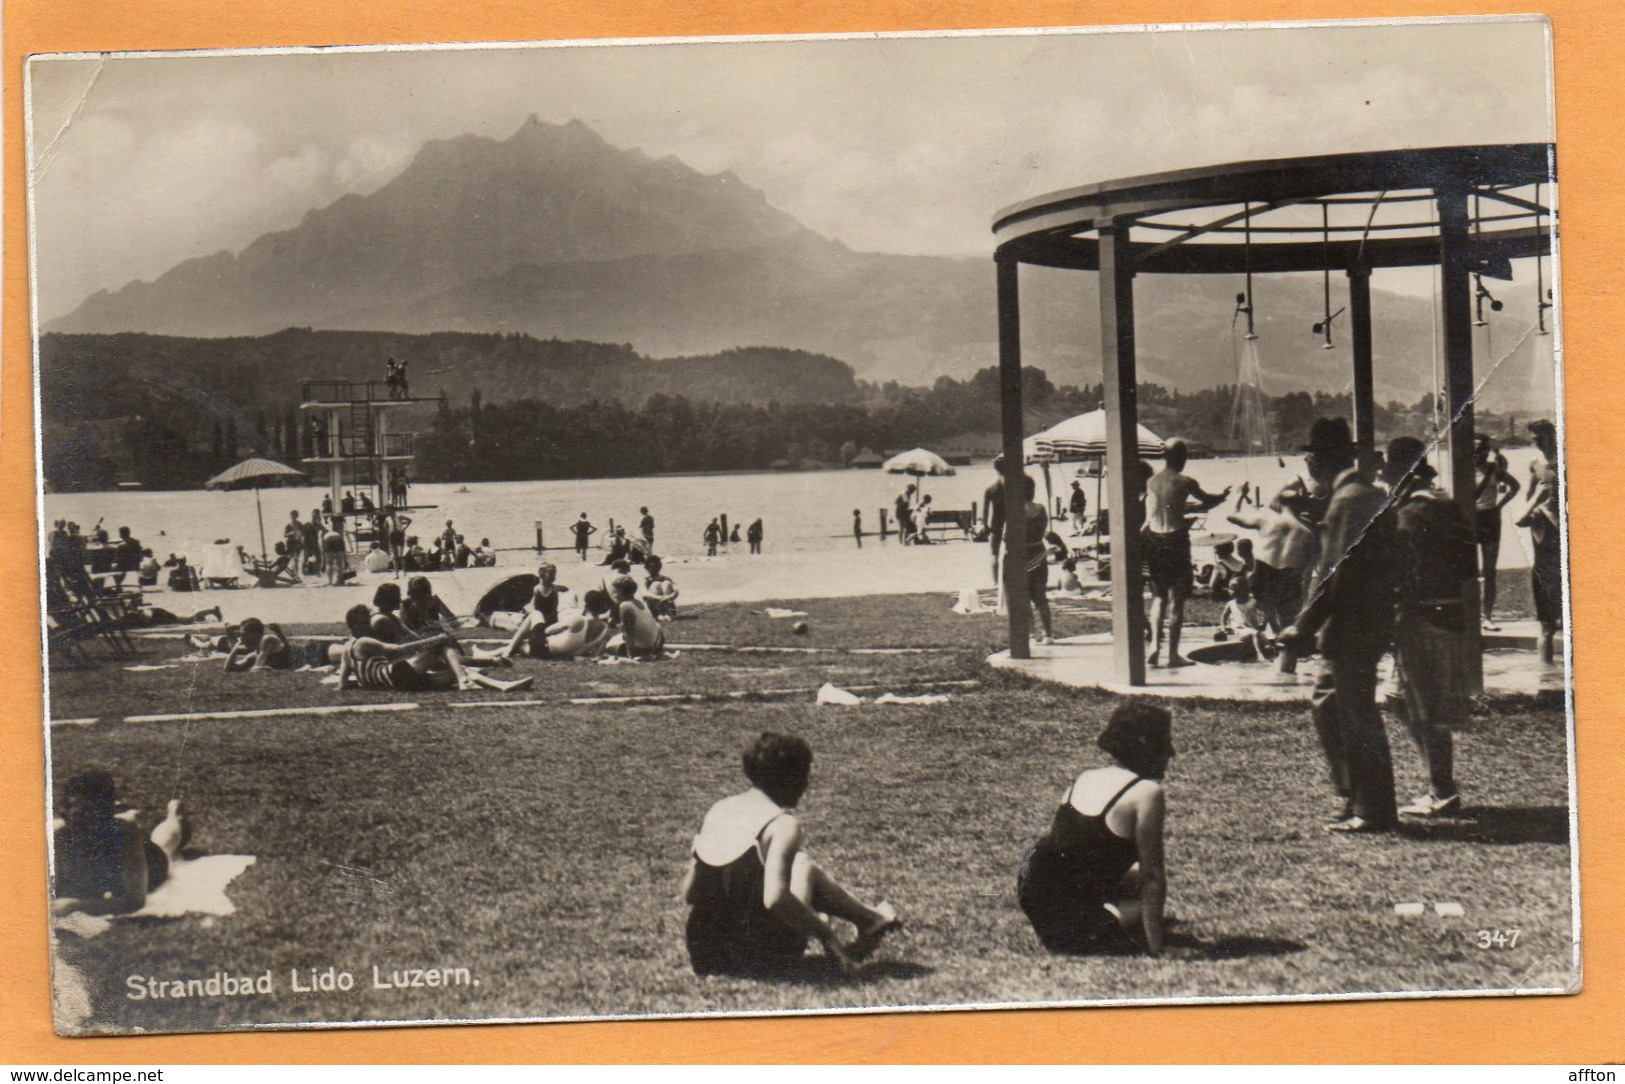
(978,519)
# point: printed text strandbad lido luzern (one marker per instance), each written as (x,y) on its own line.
(310,980)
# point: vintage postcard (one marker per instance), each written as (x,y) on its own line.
(735,526)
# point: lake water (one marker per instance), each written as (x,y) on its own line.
(804,513)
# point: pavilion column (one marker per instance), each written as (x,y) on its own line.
(1014,473)
(1456,318)
(1365,404)
(1121,393)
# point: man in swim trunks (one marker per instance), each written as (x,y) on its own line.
(417,666)
(993,501)
(641,634)
(1167,538)
(646,526)
(1282,556)
(583,532)
(1495,487)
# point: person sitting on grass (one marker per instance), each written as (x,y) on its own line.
(433,662)
(641,634)
(259,647)
(1070,584)
(583,636)
(1095,882)
(423,611)
(659,592)
(386,623)
(102,863)
(755,896)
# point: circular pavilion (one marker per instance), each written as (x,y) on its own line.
(1469,211)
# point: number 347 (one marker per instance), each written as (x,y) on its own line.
(1497,939)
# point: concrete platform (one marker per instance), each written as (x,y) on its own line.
(1511,668)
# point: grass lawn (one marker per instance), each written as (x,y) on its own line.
(540,845)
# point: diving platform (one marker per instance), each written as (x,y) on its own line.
(350,432)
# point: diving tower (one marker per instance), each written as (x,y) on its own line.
(349,431)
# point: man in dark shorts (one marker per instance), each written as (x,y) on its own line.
(646,527)
(1037,566)
(1167,543)
(1544,520)
(583,532)
(993,501)
(1495,487)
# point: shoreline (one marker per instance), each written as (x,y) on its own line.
(876,569)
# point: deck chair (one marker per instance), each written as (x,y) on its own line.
(222,567)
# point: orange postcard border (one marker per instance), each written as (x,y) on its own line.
(1584,1028)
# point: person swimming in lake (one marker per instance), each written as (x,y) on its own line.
(101,863)
(1096,881)
(755,896)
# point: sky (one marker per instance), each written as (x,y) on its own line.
(905,145)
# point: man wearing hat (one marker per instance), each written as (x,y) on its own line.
(1432,676)
(1350,613)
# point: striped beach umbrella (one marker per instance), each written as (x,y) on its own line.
(256,474)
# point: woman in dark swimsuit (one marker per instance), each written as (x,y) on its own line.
(755,895)
(1095,882)
(104,865)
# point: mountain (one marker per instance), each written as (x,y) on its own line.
(558,234)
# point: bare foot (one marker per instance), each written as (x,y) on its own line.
(864,945)
(1178,660)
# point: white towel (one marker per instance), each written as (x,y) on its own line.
(774,611)
(831,694)
(970,602)
(925,698)
(195,886)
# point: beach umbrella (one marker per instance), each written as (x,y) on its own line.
(1083,437)
(920,463)
(256,474)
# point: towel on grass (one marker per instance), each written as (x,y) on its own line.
(774,611)
(144,667)
(195,886)
(970,602)
(833,694)
(924,698)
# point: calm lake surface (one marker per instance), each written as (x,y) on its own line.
(806,513)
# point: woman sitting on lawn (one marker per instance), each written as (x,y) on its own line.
(423,612)
(103,864)
(755,897)
(386,623)
(417,666)
(582,636)
(1095,882)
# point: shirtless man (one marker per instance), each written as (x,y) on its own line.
(1283,554)
(582,636)
(1495,487)
(1168,496)
(103,864)
(417,666)
(641,634)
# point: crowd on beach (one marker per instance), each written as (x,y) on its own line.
(1352,562)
